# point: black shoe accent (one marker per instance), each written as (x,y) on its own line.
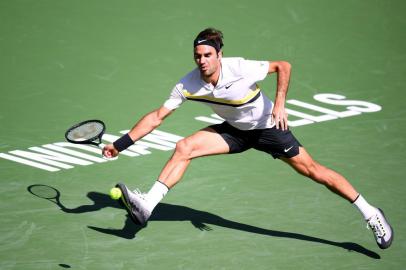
(384,244)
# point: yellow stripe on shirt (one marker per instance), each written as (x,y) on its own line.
(250,96)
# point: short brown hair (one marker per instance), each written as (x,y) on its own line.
(211,34)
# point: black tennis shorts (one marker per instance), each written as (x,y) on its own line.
(277,142)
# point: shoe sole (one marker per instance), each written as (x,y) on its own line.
(389,243)
(125,201)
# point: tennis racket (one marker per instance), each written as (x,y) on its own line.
(46,192)
(86,132)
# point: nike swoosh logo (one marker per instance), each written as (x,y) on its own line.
(287,149)
(228,86)
(200,41)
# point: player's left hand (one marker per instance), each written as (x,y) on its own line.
(280,116)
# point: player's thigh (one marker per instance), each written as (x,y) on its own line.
(303,163)
(206,142)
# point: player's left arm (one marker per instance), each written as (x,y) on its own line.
(282,68)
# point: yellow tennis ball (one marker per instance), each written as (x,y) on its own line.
(115,193)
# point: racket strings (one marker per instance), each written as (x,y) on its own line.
(85,132)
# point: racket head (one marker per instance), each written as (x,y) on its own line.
(44,191)
(86,132)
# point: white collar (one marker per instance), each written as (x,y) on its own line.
(225,78)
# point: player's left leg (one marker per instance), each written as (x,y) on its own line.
(304,164)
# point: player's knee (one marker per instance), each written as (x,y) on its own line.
(314,172)
(183,149)
(320,174)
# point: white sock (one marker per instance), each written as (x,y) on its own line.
(156,194)
(364,207)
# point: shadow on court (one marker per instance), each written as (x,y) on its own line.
(200,220)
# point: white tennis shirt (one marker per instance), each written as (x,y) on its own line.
(236,97)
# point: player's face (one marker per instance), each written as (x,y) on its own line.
(207,60)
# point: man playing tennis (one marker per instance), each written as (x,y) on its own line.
(228,86)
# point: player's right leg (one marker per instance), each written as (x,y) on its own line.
(202,143)
(205,142)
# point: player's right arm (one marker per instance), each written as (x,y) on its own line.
(144,126)
(148,123)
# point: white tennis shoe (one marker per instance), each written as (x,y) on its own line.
(381,228)
(135,204)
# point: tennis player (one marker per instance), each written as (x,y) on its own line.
(252,120)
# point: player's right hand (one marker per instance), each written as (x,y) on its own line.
(109,151)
